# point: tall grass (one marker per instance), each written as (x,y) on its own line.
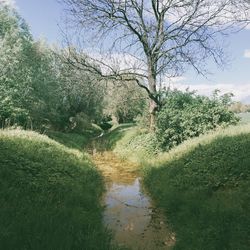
(49,195)
(203,186)
(110,139)
(188,146)
(75,140)
(129,142)
(71,140)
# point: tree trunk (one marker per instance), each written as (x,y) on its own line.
(152,111)
(152,88)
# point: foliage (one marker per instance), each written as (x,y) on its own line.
(186,115)
(124,102)
(106,125)
(203,187)
(49,195)
(82,96)
(129,142)
(15,41)
(75,140)
(158,38)
(38,88)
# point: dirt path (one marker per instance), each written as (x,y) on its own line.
(129,211)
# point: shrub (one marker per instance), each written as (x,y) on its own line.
(186,115)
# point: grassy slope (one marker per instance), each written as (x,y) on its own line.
(75,140)
(70,140)
(136,144)
(203,184)
(49,195)
(204,187)
(129,142)
(110,139)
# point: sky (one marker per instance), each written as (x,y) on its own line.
(44,18)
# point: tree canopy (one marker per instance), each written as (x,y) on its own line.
(37,88)
(163,37)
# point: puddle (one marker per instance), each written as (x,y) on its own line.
(129,212)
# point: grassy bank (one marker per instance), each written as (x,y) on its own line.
(204,188)
(75,140)
(129,142)
(202,185)
(71,140)
(49,195)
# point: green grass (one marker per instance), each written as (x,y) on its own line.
(204,188)
(111,138)
(75,140)
(71,140)
(202,185)
(129,142)
(49,195)
(137,145)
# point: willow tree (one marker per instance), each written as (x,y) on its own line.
(157,38)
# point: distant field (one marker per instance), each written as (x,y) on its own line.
(245,117)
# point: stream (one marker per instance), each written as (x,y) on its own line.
(129,211)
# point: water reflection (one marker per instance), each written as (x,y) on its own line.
(128,210)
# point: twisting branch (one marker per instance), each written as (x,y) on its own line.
(168,35)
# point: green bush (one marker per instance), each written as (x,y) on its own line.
(186,115)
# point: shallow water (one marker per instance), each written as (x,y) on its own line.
(129,211)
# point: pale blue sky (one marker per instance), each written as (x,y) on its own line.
(44,16)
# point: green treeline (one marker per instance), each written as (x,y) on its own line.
(40,90)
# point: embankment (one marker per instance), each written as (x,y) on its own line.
(49,195)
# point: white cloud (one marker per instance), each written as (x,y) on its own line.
(118,62)
(11,3)
(241,91)
(247,53)
(177,79)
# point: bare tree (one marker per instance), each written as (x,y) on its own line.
(163,36)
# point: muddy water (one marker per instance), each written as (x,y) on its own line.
(129,211)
